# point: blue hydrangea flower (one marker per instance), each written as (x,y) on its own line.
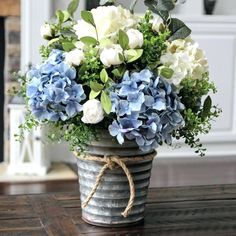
(52,91)
(147,110)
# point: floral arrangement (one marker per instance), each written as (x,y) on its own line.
(139,78)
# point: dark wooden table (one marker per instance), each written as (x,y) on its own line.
(182,211)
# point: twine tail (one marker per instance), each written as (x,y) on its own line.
(129,206)
(94,189)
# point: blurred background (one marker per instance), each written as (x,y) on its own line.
(214,26)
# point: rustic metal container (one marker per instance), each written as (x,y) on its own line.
(112,195)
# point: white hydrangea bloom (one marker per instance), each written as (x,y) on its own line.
(186,59)
(108,20)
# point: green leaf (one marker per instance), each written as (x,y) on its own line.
(133,54)
(68,46)
(83,69)
(104,2)
(160,5)
(121,57)
(95,86)
(166,72)
(104,76)
(60,16)
(178,29)
(106,102)
(66,16)
(116,73)
(53,41)
(88,40)
(93,94)
(123,39)
(206,107)
(87,16)
(105,42)
(73,6)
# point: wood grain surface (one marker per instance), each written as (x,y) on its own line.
(182,211)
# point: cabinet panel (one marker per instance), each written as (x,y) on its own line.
(220,51)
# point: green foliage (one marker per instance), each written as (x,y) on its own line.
(154,43)
(160,5)
(197,117)
(133,55)
(87,16)
(73,6)
(89,40)
(123,39)
(91,68)
(75,132)
(44,52)
(106,102)
(178,29)
(105,2)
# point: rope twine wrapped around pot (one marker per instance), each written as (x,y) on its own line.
(110,162)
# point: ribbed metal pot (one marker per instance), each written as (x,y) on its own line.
(112,195)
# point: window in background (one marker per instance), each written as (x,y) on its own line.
(2,56)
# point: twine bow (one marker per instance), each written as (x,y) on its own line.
(110,163)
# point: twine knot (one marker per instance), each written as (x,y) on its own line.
(110,163)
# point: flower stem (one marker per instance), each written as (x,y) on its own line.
(132,6)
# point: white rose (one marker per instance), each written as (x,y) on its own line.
(92,112)
(135,38)
(108,20)
(46,30)
(157,24)
(110,55)
(74,57)
(83,29)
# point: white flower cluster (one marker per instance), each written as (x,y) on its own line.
(108,20)
(186,59)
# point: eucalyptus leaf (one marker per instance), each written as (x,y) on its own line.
(104,76)
(123,39)
(73,6)
(93,94)
(106,102)
(104,2)
(206,107)
(160,5)
(95,86)
(87,16)
(88,40)
(178,29)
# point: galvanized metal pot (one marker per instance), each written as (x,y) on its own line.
(112,195)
